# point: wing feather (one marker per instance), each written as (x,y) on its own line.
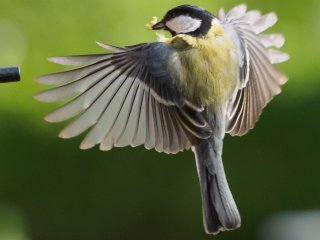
(79,59)
(259,80)
(70,76)
(130,120)
(123,98)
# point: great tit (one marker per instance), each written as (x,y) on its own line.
(213,76)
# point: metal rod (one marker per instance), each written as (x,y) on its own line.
(9,74)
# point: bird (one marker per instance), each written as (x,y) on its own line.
(211,76)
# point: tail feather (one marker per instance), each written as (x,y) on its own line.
(220,212)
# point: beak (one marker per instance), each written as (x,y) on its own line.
(158,26)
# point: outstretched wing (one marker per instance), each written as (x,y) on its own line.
(126,97)
(259,78)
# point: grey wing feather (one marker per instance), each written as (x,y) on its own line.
(259,79)
(154,58)
(125,98)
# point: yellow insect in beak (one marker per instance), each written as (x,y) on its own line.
(155,25)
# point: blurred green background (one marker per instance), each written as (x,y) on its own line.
(49,189)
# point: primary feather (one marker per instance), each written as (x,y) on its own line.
(262,80)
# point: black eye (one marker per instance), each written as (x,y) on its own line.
(171,15)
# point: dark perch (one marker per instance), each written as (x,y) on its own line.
(9,74)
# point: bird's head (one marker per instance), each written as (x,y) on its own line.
(186,19)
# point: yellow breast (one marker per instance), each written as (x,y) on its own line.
(207,67)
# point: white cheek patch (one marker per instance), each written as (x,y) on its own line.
(183,24)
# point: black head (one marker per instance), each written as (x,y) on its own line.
(186,19)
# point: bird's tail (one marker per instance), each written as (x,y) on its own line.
(220,212)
